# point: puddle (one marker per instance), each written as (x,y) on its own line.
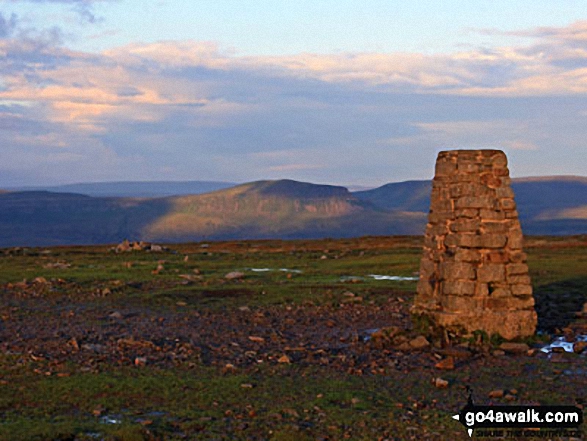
(396,278)
(263,270)
(561,342)
(110,419)
(367,333)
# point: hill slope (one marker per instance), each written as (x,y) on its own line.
(287,209)
(264,209)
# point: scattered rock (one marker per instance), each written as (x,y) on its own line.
(579,347)
(140,361)
(498,353)
(354,299)
(446,364)
(420,342)
(440,383)
(234,275)
(497,393)
(514,348)
(284,359)
(256,339)
(94,347)
(116,315)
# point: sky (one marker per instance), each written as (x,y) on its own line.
(340,92)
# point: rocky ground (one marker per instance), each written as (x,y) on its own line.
(401,385)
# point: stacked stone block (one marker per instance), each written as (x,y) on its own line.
(473,273)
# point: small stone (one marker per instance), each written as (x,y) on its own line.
(498,353)
(234,275)
(247,386)
(284,359)
(497,393)
(514,348)
(116,315)
(579,347)
(256,339)
(140,361)
(446,364)
(420,342)
(440,383)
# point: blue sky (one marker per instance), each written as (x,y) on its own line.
(342,92)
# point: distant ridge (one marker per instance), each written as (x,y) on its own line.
(284,209)
(143,189)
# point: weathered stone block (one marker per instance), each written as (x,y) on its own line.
(500,227)
(469,213)
(481,290)
(485,202)
(497,257)
(515,239)
(465,225)
(461,303)
(493,240)
(445,168)
(504,192)
(491,181)
(516,268)
(491,273)
(498,292)
(519,279)
(467,255)
(486,214)
(522,290)
(457,271)
(507,204)
(458,287)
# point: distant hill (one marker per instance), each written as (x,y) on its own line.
(136,189)
(285,209)
(267,209)
(546,205)
(43,218)
(264,209)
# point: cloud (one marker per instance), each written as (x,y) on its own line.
(207,113)
(84,8)
(7,25)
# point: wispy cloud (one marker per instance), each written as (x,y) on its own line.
(205,112)
(82,7)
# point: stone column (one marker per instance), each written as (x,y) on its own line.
(473,273)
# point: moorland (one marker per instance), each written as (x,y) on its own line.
(266,339)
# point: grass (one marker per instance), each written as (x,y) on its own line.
(52,398)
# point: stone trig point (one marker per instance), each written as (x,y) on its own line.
(473,273)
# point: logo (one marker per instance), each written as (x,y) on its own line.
(517,417)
